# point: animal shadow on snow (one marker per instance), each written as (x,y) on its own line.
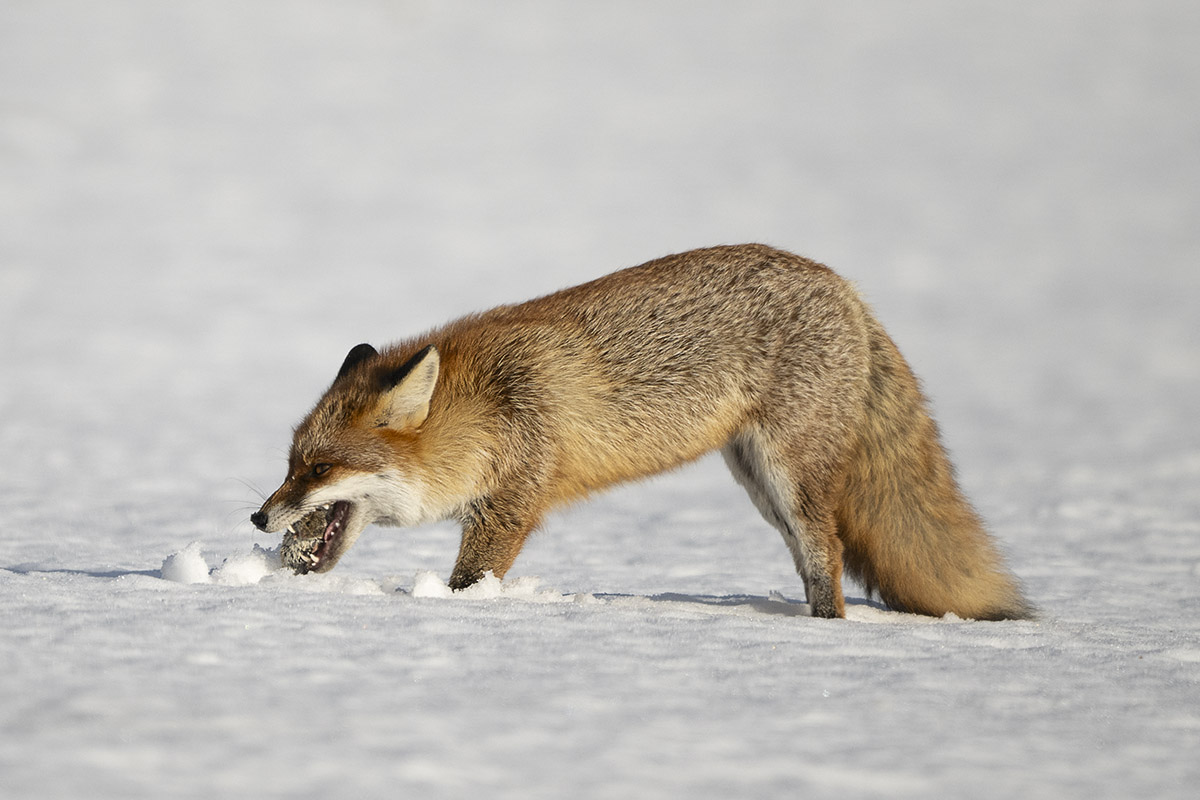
(775,605)
(38,569)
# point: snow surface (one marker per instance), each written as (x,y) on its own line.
(204,205)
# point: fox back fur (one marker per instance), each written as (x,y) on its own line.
(771,358)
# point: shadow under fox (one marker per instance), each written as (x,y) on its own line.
(771,358)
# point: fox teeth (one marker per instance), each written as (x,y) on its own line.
(291,529)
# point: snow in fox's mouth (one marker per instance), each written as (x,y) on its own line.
(308,542)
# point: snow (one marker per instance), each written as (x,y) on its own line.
(186,566)
(203,206)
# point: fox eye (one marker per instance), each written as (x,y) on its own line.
(320,469)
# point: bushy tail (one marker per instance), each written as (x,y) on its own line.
(909,533)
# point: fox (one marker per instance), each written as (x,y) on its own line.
(497,418)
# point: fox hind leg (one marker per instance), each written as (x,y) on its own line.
(799,510)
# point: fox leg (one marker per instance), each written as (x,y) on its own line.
(798,507)
(494,530)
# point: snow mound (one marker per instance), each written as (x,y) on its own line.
(186,566)
(489,587)
(428,584)
(249,568)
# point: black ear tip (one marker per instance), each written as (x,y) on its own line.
(358,354)
(394,378)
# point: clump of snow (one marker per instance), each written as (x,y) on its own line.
(186,566)
(489,587)
(248,568)
(428,584)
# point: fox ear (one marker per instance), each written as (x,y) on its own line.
(408,390)
(356,356)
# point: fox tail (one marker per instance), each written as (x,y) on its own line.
(909,534)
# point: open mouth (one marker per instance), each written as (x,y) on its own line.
(308,542)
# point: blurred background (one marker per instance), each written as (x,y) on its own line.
(204,205)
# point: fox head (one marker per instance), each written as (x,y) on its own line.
(347,465)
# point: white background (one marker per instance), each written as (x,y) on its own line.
(204,205)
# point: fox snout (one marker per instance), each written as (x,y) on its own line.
(266,519)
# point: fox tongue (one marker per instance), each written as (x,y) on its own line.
(337,518)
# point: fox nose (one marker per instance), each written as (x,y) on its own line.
(259,519)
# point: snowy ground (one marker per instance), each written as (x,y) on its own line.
(204,205)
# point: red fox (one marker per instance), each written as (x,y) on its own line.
(496,418)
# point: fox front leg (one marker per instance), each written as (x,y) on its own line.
(494,530)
